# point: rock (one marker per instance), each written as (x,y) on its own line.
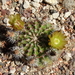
(54,22)
(37,1)
(35,4)
(5,6)
(61,15)
(33,10)
(18,63)
(22,73)
(67,56)
(25,68)
(53,2)
(12,10)
(20,1)
(62,20)
(51,17)
(22,18)
(6,21)
(39,73)
(12,70)
(51,11)
(4,2)
(26,4)
(55,15)
(67,72)
(72,18)
(67,14)
(33,70)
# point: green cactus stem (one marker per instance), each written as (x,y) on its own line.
(34,39)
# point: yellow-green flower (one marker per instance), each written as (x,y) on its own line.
(16,22)
(57,40)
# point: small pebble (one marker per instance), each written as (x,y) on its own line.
(68,56)
(72,18)
(61,68)
(54,21)
(12,70)
(22,73)
(55,15)
(33,10)
(12,10)
(54,2)
(4,1)
(37,1)
(62,20)
(6,21)
(35,4)
(26,4)
(5,6)
(20,1)
(25,68)
(51,11)
(18,63)
(39,73)
(67,14)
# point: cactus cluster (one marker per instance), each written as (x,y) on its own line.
(33,40)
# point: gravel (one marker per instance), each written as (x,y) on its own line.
(62,17)
(69,4)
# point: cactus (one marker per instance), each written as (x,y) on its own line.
(33,40)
